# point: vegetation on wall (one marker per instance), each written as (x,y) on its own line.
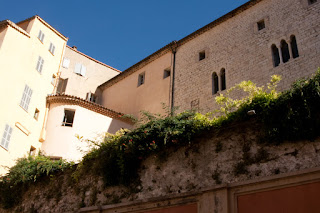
(285,116)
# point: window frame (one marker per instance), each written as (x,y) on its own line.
(52,48)
(65,118)
(26,98)
(41,36)
(40,63)
(6,136)
(141,79)
(202,55)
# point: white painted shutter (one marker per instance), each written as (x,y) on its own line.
(83,70)
(66,63)
(77,68)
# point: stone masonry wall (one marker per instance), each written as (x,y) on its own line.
(245,53)
(227,156)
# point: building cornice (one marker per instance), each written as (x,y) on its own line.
(99,62)
(73,100)
(14,26)
(46,24)
(182,41)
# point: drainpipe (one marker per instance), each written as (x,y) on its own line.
(174,51)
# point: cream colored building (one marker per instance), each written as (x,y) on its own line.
(30,55)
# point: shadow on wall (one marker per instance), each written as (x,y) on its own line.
(116,125)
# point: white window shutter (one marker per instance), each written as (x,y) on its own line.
(77,68)
(53,49)
(83,70)
(66,63)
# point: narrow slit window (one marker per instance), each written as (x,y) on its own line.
(141,79)
(68,117)
(294,47)
(202,55)
(285,51)
(215,83)
(275,55)
(223,79)
(166,73)
(261,25)
(36,114)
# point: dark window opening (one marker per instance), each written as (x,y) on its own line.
(166,73)
(62,85)
(223,79)
(141,79)
(36,114)
(285,51)
(202,55)
(68,117)
(91,97)
(261,25)
(215,83)
(275,55)
(312,1)
(294,47)
(32,151)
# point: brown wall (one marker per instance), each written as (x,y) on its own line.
(297,199)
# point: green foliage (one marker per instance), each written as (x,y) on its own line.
(27,170)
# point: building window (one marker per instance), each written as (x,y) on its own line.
(215,83)
(91,97)
(66,63)
(62,85)
(36,114)
(202,55)
(40,64)
(275,55)
(223,79)
(195,104)
(312,1)
(26,97)
(52,48)
(285,51)
(68,117)
(141,79)
(32,151)
(294,47)
(166,73)
(53,79)
(6,137)
(41,36)
(261,25)
(80,69)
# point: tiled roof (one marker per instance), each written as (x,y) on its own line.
(182,41)
(99,62)
(73,100)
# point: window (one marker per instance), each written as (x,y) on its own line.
(91,97)
(36,114)
(141,79)
(285,51)
(6,137)
(166,73)
(52,48)
(80,69)
(312,1)
(261,25)
(195,104)
(202,55)
(215,83)
(62,85)
(32,151)
(53,79)
(40,64)
(41,36)
(26,97)
(275,55)
(294,47)
(68,117)
(66,63)
(223,79)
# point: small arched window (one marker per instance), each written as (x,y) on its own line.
(275,55)
(223,79)
(285,51)
(294,47)
(215,83)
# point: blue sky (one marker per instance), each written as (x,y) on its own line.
(120,33)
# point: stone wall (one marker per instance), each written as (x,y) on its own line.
(244,52)
(221,160)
